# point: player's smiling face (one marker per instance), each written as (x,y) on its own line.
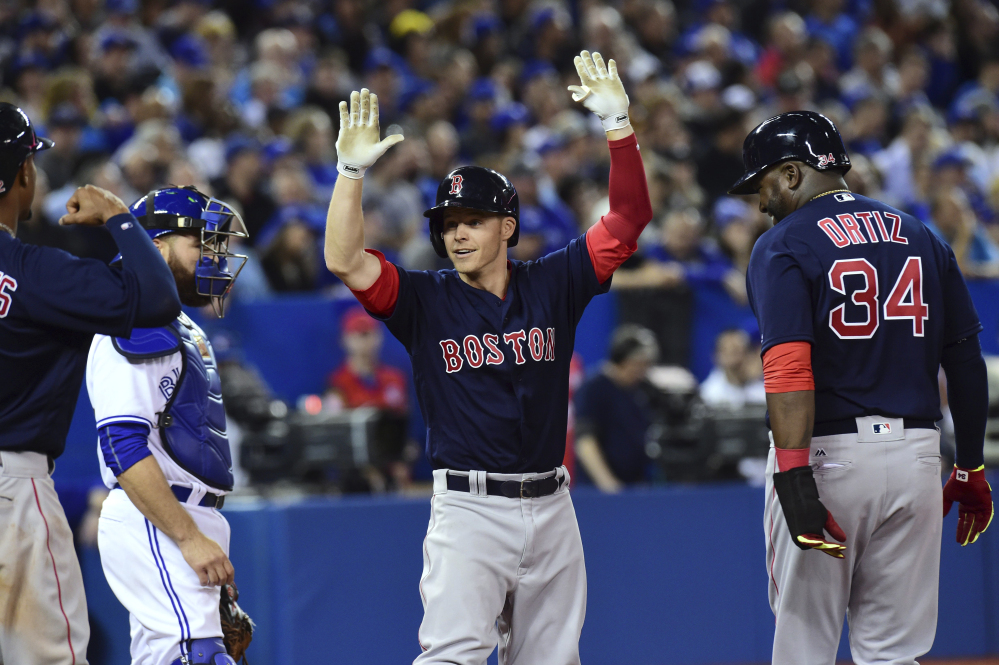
(475,239)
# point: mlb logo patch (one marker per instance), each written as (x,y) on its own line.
(843,197)
(881,428)
(961,475)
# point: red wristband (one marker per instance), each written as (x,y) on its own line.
(788,458)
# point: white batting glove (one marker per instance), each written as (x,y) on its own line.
(601,90)
(357,146)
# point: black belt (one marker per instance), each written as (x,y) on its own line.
(183,494)
(514,489)
(849,426)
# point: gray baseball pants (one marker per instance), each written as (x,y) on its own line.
(501,571)
(885,491)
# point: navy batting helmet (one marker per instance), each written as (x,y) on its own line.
(17,141)
(477,188)
(803,136)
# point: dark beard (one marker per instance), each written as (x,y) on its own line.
(186,285)
(778,206)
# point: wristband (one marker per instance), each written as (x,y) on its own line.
(350,171)
(791,458)
(615,121)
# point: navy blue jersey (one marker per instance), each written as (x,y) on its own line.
(51,305)
(492,375)
(876,293)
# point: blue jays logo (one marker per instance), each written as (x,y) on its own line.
(882,428)
(169,382)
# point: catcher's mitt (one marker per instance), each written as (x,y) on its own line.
(237,626)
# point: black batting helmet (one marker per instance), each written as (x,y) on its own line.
(803,136)
(477,188)
(17,141)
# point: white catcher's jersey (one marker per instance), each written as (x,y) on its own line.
(123,390)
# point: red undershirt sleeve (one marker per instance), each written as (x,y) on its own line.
(788,368)
(615,237)
(380,297)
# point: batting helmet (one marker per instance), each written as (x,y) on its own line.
(17,141)
(186,209)
(804,136)
(477,188)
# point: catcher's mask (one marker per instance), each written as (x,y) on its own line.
(477,188)
(185,208)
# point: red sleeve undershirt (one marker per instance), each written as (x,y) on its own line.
(615,237)
(788,367)
(610,242)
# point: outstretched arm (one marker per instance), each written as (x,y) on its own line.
(357,147)
(614,238)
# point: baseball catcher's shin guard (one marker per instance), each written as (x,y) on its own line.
(206,651)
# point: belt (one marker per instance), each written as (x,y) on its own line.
(849,426)
(183,494)
(513,489)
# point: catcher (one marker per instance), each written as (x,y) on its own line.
(163,449)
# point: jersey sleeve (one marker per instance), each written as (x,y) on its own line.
(779,294)
(960,317)
(570,271)
(85,295)
(402,321)
(123,390)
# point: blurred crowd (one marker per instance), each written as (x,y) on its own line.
(239,97)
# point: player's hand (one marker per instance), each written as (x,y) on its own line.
(805,515)
(207,559)
(357,146)
(601,90)
(91,206)
(969,488)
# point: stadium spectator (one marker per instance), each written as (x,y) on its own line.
(614,412)
(955,221)
(363,379)
(733,383)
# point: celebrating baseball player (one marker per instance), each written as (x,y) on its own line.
(490,342)
(162,444)
(859,305)
(51,305)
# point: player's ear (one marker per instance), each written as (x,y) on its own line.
(792,174)
(507,227)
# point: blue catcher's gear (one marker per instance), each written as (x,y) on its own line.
(186,209)
(192,423)
(206,651)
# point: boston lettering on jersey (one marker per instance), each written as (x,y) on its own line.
(491,380)
(874,291)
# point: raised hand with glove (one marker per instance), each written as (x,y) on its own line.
(969,488)
(358,145)
(804,513)
(601,90)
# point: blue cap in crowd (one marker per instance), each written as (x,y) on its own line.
(510,114)
(728,209)
(66,115)
(484,25)
(237,144)
(121,7)
(536,68)
(412,89)
(280,147)
(381,56)
(951,158)
(189,50)
(117,39)
(482,90)
(36,22)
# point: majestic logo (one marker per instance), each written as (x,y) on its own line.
(826,160)
(820,452)
(961,475)
(7,286)
(455,184)
(881,428)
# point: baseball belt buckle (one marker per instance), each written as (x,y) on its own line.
(528,489)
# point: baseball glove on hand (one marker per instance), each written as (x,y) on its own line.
(237,626)
(357,145)
(805,515)
(970,489)
(601,90)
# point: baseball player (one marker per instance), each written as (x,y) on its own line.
(491,342)
(51,305)
(859,305)
(162,444)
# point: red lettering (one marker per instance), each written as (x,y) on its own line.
(473,351)
(550,345)
(452,357)
(516,342)
(7,286)
(881,226)
(852,229)
(833,231)
(865,217)
(896,229)
(495,356)
(536,343)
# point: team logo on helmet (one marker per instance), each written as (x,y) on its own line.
(455,184)
(2,188)
(826,160)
